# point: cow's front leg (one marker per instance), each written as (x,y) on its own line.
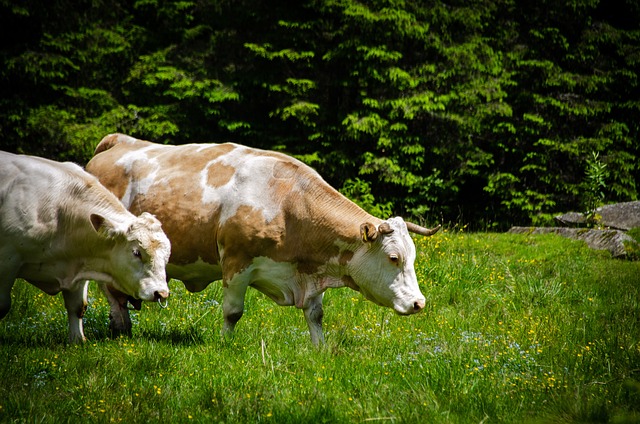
(119,319)
(75,301)
(7,280)
(313,313)
(233,304)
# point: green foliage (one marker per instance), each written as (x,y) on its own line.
(360,192)
(481,111)
(517,329)
(595,181)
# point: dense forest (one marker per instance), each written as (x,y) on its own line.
(486,112)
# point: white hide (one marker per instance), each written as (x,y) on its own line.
(49,238)
(252,178)
(142,185)
(384,282)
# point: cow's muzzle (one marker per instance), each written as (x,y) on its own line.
(418,305)
(161,296)
(410,309)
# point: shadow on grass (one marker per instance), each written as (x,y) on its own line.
(27,340)
(175,336)
(55,336)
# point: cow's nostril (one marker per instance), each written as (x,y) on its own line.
(160,295)
(418,305)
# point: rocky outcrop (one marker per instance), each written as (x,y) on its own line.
(612,240)
(620,216)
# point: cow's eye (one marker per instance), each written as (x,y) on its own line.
(137,253)
(394,258)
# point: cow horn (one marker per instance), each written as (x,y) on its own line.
(414,228)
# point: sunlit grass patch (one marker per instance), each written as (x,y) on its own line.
(516,328)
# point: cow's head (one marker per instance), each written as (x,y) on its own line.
(382,268)
(139,256)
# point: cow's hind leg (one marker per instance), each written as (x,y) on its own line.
(232,305)
(75,301)
(313,313)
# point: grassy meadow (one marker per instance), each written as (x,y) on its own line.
(517,329)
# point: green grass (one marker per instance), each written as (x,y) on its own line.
(517,329)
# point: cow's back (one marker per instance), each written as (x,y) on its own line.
(41,199)
(214,196)
(32,193)
(170,182)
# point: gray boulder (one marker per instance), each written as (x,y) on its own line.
(611,240)
(621,216)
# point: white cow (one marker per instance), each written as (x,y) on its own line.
(59,227)
(262,219)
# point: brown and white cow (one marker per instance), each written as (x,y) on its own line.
(59,227)
(262,219)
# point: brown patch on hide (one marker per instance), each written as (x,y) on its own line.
(189,159)
(245,236)
(219,175)
(345,257)
(115,179)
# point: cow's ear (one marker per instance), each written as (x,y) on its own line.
(368,232)
(102,225)
(97,221)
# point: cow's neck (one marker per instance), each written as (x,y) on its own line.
(83,238)
(334,234)
(340,216)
